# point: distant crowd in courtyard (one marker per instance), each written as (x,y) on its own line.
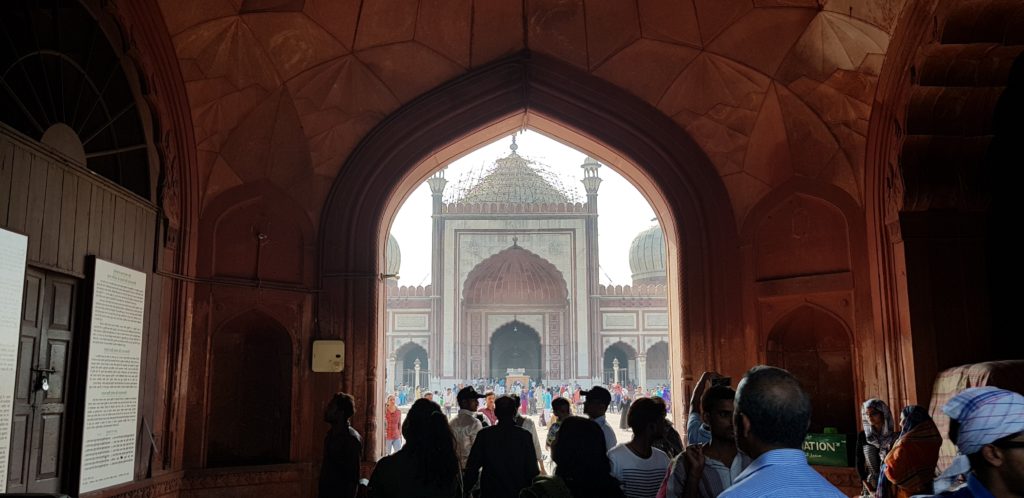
(534,398)
(740,443)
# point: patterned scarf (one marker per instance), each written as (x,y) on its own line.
(985,414)
(882,440)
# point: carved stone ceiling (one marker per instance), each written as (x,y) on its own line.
(283,90)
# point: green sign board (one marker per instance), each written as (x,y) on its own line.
(826,449)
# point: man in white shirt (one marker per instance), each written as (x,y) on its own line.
(639,466)
(595,406)
(465,425)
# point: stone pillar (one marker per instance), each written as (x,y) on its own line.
(615,369)
(392,372)
(641,367)
(416,374)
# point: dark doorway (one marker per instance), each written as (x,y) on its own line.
(250,393)
(515,345)
(626,356)
(407,356)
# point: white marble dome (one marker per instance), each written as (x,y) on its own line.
(647,257)
(392,256)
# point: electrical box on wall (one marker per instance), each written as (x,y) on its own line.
(328,356)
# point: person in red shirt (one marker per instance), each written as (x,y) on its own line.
(488,409)
(392,427)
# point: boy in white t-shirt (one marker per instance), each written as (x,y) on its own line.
(639,466)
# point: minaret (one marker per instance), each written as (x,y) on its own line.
(591,182)
(437,183)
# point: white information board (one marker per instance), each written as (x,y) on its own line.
(112,377)
(13,249)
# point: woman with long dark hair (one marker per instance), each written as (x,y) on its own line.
(582,467)
(427,465)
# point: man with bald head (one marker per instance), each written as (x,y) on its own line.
(771,416)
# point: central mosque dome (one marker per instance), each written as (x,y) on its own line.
(515,179)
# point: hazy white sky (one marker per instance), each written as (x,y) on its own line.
(622,210)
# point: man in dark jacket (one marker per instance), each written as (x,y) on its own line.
(506,453)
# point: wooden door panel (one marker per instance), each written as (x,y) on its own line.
(50,445)
(23,388)
(20,451)
(32,297)
(58,361)
(16,467)
(62,306)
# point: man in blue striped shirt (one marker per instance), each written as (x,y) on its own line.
(771,417)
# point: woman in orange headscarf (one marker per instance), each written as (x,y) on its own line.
(910,464)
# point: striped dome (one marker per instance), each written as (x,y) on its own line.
(647,257)
(515,276)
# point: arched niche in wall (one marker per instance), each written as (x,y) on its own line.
(516,345)
(803,235)
(815,347)
(250,393)
(406,357)
(626,355)
(255,232)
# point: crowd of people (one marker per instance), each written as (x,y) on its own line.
(534,398)
(741,443)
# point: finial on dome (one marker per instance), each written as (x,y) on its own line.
(514,147)
(515,241)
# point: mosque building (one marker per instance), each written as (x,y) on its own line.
(515,285)
(195,195)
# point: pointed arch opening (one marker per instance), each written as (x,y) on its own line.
(533,92)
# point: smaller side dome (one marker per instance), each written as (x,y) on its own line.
(647,257)
(392,256)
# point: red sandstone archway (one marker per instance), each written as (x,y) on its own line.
(559,100)
(944,129)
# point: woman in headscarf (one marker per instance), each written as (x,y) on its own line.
(874,442)
(909,468)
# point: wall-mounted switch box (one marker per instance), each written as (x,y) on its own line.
(328,356)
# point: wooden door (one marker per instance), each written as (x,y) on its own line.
(39,426)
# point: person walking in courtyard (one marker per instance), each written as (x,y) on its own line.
(392,427)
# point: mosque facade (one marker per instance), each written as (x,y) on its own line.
(515,286)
